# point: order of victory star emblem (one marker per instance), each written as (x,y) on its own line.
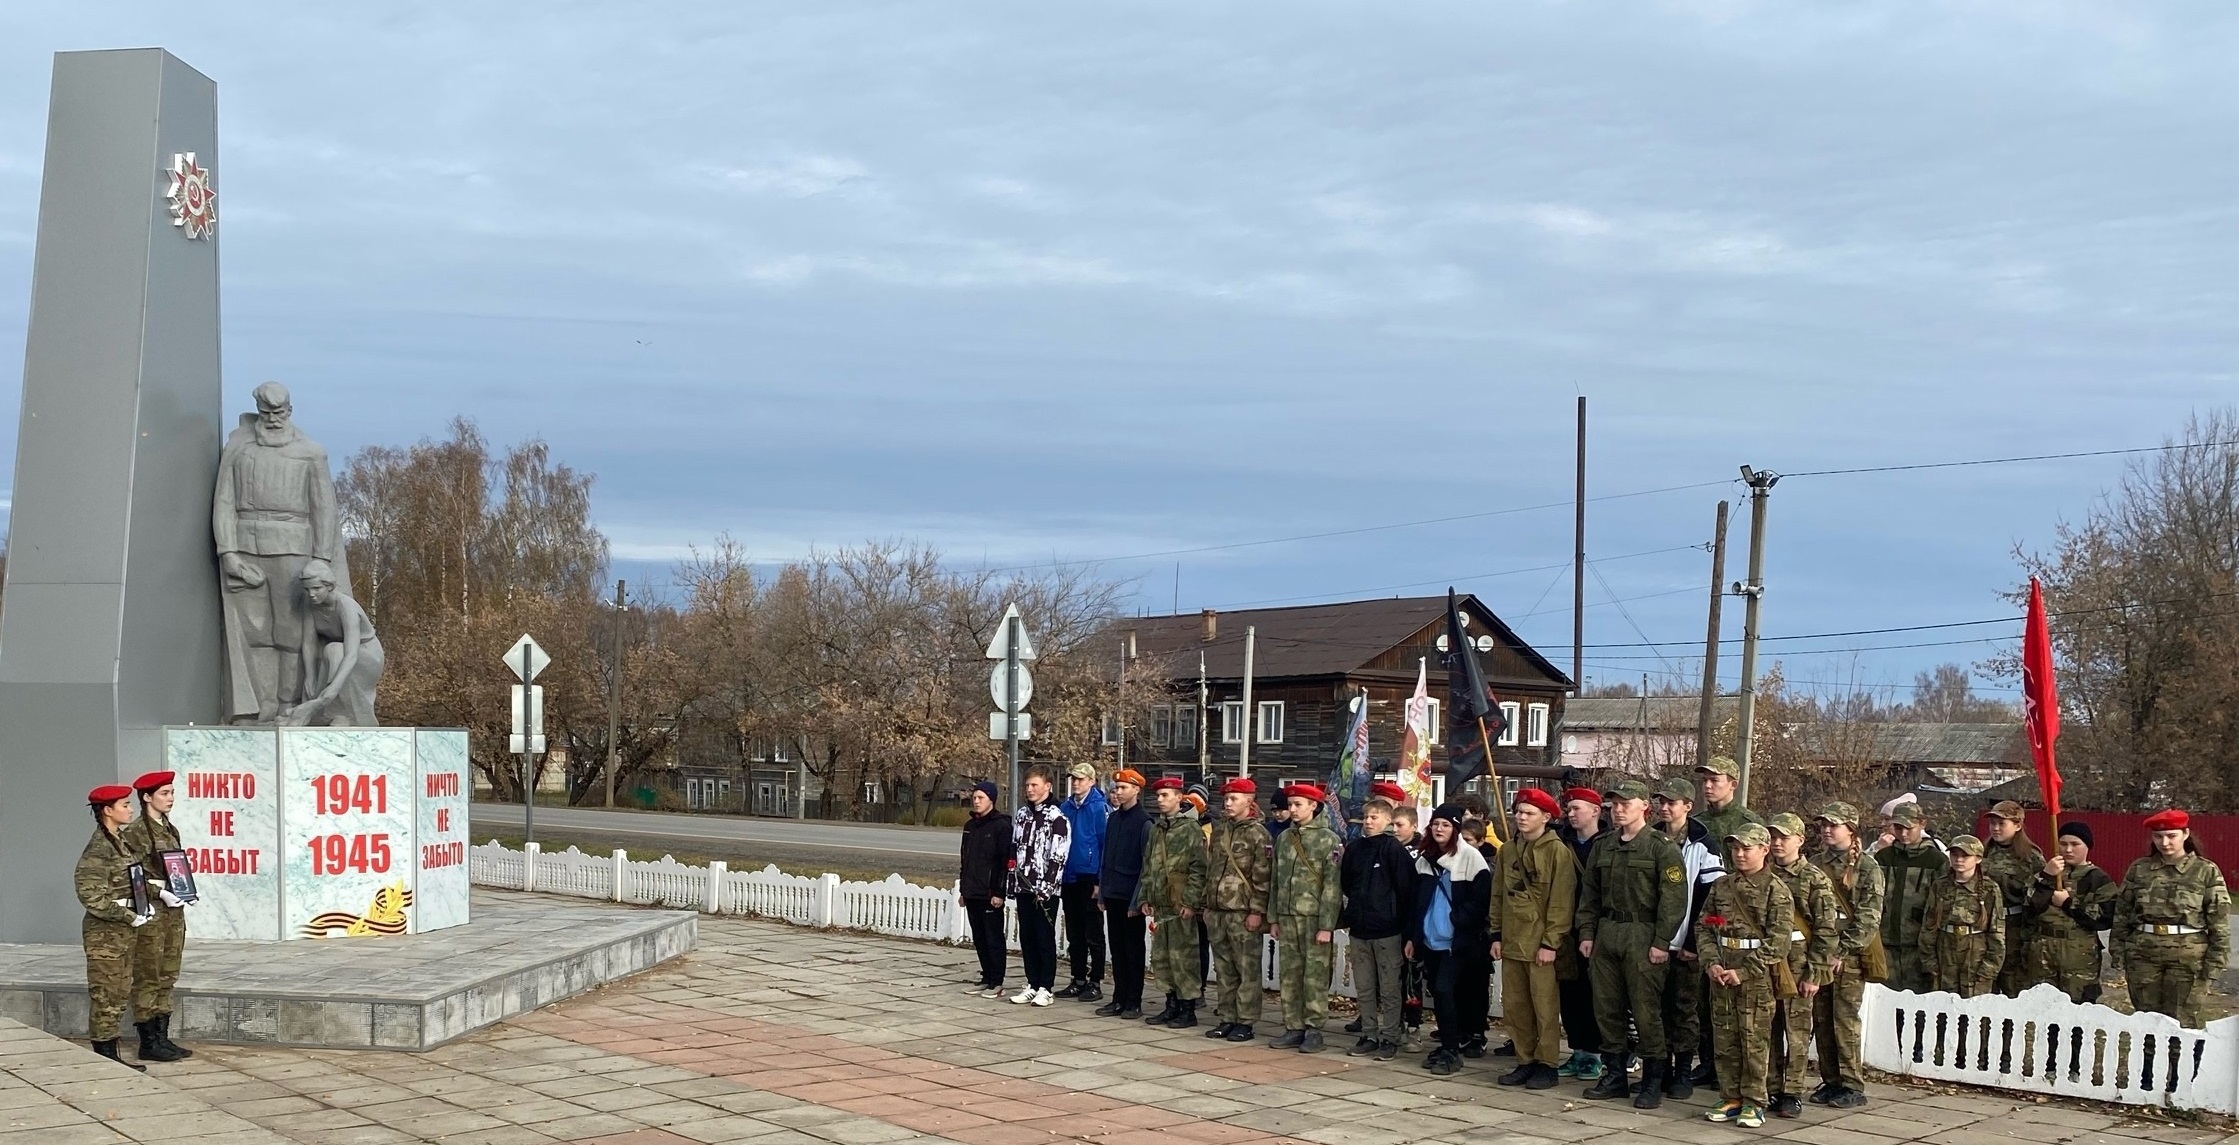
(194,206)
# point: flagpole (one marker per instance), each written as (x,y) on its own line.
(1499,817)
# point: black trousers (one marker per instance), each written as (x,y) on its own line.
(1473,993)
(1579,1024)
(1084,931)
(1126,934)
(1442,973)
(987,938)
(1037,940)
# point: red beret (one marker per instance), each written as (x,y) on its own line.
(1386,789)
(2170,820)
(1128,775)
(1586,793)
(152,780)
(108,793)
(1305,791)
(1539,799)
(1169,783)
(1241,784)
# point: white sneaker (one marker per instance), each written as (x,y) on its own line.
(1025,994)
(1042,997)
(989,992)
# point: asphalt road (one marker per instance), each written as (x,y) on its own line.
(854,838)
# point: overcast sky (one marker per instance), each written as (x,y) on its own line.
(1030,281)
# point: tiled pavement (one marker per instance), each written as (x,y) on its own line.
(782,1036)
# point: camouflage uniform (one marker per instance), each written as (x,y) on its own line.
(1963,932)
(103,877)
(2014,867)
(1745,927)
(157,946)
(2064,941)
(1630,899)
(1240,861)
(1307,897)
(1907,872)
(1811,956)
(1856,883)
(2172,933)
(1174,880)
(1723,821)
(1535,892)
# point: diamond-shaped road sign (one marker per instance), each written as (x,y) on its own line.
(526,658)
(1000,648)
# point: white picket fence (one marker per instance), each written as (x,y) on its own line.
(889,906)
(2042,1043)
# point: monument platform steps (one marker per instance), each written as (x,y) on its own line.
(57,1092)
(407,992)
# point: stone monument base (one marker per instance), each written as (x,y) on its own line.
(410,992)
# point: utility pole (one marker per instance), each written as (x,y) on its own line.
(1760,483)
(1120,703)
(614,695)
(1204,729)
(1244,750)
(1578,565)
(1706,712)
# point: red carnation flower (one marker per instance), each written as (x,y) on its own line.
(1714,920)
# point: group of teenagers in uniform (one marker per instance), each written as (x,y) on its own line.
(135,929)
(1668,930)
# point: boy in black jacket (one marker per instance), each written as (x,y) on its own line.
(1378,877)
(983,869)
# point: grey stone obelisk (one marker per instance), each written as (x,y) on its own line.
(110,629)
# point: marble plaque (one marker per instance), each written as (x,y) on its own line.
(440,898)
(228,816)
(346,835)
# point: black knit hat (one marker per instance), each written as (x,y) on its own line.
(2079,830)
(1450,811)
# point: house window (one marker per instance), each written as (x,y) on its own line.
(1535,726)
(872,793)
(1437,720)
(1232,721)
(1111,734)
(764,799)
(1271,721)
(692,794)
(1185,725)
(1162,725)
(723,794)
(1510,716)
(777,752)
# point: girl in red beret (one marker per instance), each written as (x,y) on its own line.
(104,885)
(2172,931)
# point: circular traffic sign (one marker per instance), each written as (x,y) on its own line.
(998,687)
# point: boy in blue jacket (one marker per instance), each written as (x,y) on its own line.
(1086,809)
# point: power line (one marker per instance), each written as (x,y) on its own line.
(1460,578)
(2060,615)
(2163,448)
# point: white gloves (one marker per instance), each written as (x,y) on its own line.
(140,920)
(170,899)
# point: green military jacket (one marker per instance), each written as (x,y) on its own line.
(104,876)
(1173,866)
(1724,821)
(1819,920)
(2089,910)
(1535,896)
(1637,882)
(1240,859)
(2189,892)
(1907,872)
(1745,924)
(1963,933)
(2014,867)
(146,837)
(1306,879)
(1858,887)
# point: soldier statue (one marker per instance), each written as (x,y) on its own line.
(272,514)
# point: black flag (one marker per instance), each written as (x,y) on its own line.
(1471,713)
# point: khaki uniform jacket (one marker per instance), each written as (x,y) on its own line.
(2090,908)
(1535,897)
(1819,921)
(2014,867)
(1723,822)
(2188,892)
(1173,866)
(1745,924)
(1306,875)
(1855,878)
(1637,885)
(103,876)
(1963,932)
(145,838)
(1240,861)
(1907,873)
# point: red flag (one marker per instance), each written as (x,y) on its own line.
(2040,695)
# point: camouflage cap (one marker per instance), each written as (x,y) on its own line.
(1907,815)
(1839,812)
(1719,765)
(2008,809)
(1676,788)
(1750,835)
(1967,845)
(1626,789)
(1787,823)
